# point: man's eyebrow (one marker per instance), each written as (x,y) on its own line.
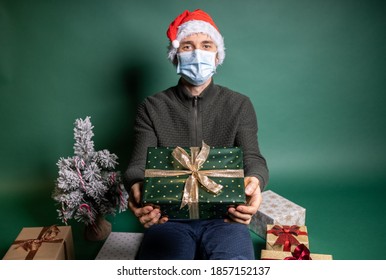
(203,42)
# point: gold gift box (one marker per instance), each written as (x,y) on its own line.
(42,243)
(281,255)
(294,235)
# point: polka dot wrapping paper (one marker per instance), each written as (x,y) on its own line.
(120,246)
(277,210)
(167,191)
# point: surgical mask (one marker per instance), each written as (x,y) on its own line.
(196,66)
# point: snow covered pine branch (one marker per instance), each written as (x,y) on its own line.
(88,186)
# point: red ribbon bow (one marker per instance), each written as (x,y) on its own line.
(286,235)
(301,252)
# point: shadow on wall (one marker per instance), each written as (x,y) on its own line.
(134,78)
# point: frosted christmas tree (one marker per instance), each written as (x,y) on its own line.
(88,187)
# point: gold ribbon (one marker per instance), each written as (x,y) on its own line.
(193,165)
(47,234)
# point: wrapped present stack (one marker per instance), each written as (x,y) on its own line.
(281,223)
(194,183)
(42,243)
(289,242)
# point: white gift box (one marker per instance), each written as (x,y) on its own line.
(276,210)
(120,246)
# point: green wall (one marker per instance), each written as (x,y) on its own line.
(315,71)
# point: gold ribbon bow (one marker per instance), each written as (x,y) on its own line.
(47,234)
(193,165)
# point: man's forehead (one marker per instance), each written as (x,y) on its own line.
(197,36)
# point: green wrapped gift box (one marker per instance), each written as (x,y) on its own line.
(194,183)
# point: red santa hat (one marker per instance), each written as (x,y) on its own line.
(189,23)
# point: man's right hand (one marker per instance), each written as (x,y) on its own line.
(147,215)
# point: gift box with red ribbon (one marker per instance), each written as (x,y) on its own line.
(301,252)
(286,237)
(276,209)
(194,183)
(42,243)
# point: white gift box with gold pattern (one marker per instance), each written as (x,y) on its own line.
(277,210)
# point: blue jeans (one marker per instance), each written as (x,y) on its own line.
(196,239)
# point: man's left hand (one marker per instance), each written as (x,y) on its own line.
(243,213)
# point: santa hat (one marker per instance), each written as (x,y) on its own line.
(189,23)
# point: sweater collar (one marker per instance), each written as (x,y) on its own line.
(186,98)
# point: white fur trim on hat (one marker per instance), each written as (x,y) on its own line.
(197,26)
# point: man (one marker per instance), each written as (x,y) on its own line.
(196,110)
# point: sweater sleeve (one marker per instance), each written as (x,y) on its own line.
(247,138)
(144,137)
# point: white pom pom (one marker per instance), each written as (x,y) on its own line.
(175,44)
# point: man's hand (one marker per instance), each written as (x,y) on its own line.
(243,213)
(147,215)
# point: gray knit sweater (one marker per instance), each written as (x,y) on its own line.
(219,116)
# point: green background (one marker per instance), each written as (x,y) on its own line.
(314,70)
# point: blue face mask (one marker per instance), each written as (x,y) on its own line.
(196,66)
